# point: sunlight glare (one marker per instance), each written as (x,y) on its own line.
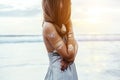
(93,15)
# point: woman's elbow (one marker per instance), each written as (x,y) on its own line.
(70,55)
(69,58)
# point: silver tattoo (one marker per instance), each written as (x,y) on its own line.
(52,35)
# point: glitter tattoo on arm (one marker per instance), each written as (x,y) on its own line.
(59,44)
(52,35)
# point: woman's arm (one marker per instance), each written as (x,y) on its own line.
(71,42)
(72,46)
(56,41)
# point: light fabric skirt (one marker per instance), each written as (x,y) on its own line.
(54,70)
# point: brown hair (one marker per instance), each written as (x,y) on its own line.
(56,15)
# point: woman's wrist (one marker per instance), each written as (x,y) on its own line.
(69,61)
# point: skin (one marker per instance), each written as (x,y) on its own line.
(70,42)
(51,38)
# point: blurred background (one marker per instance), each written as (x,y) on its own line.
(96,26)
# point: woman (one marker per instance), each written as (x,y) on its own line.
(59,40)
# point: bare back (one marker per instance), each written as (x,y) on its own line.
(47,43)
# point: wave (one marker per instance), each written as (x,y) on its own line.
(20,39)
(38,38)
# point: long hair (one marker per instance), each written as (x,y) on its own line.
(56,15)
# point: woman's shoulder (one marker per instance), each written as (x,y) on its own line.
(48,27)
(49,30)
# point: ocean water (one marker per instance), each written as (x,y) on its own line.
(24,57)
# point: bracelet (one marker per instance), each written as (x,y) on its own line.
(70,35)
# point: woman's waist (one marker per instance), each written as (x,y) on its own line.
(54,57)
(53,53)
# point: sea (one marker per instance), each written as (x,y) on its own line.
(24,57)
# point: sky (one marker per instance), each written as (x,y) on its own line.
(20,17)
(88,16)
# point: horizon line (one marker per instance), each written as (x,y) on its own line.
(41,34)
